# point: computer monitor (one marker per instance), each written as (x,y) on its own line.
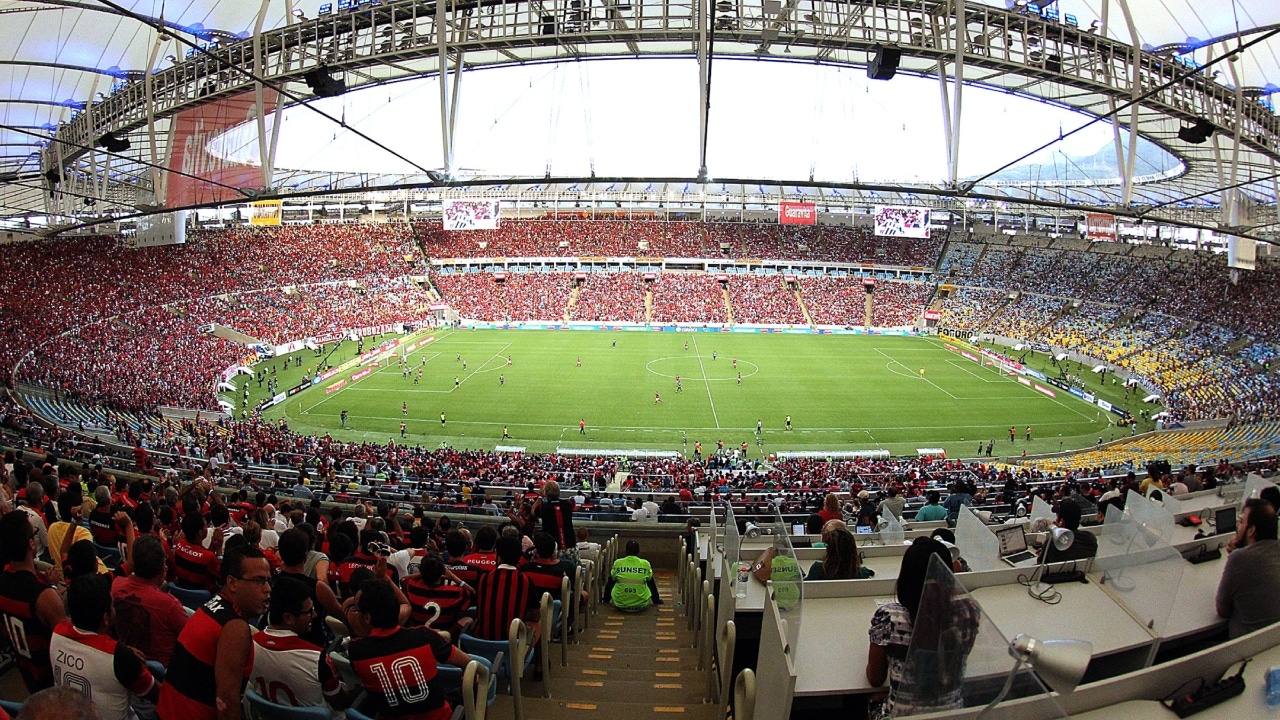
(797,529)
(864,529)
(1224,520)
(1012,539)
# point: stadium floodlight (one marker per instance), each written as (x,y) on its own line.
(297,12)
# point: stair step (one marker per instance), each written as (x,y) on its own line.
(655,691)
(561,709)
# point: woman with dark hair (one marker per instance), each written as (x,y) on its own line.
(842,561)
(920,643)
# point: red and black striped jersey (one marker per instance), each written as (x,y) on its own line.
(196,567)
(99,667)
(289,670)
(29,635)
(189,691)
(398,668)
(546,576)
(503,595)
(453,600)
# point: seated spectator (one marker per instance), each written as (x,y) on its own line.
(287,669)
(1251,578)
(86,656)
(631,587)
(932,510)
(59,703)
(434,583)
(293,546)
(830,508)
(147,618)
(504,594)
(1084,545)
(909,622)
(587,550)
(842,561)
(27,601)
(197,567)
(398,666)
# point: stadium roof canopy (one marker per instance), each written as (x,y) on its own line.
(74,71)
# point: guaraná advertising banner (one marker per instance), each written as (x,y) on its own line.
(797,213)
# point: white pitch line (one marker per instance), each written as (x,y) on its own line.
(899,362)
(706,381)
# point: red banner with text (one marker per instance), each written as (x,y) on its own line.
(195,151)
(797,213)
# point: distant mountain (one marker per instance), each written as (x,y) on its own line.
(1099,166)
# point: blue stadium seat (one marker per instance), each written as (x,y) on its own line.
(192,599)
(261,708)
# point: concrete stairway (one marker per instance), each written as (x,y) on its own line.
(623,666)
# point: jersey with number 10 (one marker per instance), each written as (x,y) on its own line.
(28,634)
(398,668)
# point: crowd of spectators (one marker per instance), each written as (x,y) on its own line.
(679,239)
(690,298)
(763,299)
(611,297)
(519,296)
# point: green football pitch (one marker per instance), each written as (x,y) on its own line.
(842,392)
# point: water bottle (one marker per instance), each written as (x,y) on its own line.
(744,577)
(1273,686)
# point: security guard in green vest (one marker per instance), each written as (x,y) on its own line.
(631,586)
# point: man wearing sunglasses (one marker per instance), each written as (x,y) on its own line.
(287,669)
(214,652)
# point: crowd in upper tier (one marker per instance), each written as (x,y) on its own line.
(126,327)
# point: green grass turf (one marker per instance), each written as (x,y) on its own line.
(843,393)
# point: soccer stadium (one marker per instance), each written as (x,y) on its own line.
(778,359)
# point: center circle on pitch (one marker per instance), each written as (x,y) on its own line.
(693,366)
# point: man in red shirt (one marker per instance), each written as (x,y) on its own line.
(483,558)
(214,654)
(398,666)
(147,618)
(197,566)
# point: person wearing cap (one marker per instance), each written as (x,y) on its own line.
(1084,545)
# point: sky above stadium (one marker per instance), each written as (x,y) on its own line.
(769,120)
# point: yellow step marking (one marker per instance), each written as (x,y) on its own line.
(600,657)
(665,610)
(671,675)
(668,659)
(611,624)
(665,709)
(588,683)
(595,672)
(668,651)
(602,649)
(580,706)
(666,686)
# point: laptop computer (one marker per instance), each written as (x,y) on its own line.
(1013,544)
(1224,520)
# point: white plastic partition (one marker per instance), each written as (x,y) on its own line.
(1041,509)
(1138,565)
(978,545)
(775,662)
(786,581)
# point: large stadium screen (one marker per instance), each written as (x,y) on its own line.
(902,221)
(470,214)
(207,176)
(1242,253)
(1100,226)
